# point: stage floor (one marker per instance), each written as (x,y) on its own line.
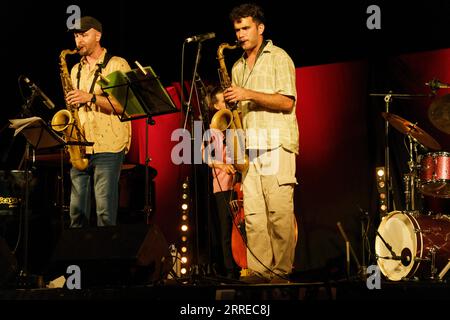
(213,289)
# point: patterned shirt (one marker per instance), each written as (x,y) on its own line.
(106,130)
(273,72)
(216,152)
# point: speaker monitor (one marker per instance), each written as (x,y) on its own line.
(8,263)
(124,254)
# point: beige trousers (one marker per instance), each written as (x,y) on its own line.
(269,212)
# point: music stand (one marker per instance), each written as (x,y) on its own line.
(39,136)
(142,95)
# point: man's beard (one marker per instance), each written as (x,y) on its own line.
(84,52)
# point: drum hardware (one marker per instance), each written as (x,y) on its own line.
(409,180)
(433,269)
(416,259)
(444,271)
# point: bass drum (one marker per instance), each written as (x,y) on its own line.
(413,238)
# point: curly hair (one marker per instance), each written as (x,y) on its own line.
(213,91)
(248,10)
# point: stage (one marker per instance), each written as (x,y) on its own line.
(209,289)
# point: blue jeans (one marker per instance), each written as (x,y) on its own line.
(105,169)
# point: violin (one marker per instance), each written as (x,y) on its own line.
(238,235)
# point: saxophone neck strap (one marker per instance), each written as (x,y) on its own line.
(100,66)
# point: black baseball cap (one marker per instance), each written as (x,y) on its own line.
(87,23)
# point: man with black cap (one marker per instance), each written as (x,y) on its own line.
(101,125)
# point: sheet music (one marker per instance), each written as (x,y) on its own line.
(37,133)
(140,93)
(20,124)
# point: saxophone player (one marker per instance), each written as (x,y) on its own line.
(263,84)
(100,124)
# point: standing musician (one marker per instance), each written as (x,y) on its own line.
(101,125)
(264,86)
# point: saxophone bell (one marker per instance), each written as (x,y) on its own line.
(62,120)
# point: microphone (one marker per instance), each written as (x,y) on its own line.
(405,258)
(436,84)
(46,100)
(201,37)
(394,256)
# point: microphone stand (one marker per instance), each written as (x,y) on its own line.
(363,216)
(388,246)
(25,209)
(190,115)
(348,250)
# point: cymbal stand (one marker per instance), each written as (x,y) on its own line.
(410,178)
(387,100)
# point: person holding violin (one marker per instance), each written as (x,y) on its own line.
(223,174)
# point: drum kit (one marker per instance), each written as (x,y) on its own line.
(410,245)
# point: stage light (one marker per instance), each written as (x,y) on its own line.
(382,190)
(185,196)
(380,171)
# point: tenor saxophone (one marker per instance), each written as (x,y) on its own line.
(67,120)
(230,119)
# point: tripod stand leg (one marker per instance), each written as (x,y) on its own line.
(148,209)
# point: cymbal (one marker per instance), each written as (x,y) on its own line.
(409,128)
(439,113)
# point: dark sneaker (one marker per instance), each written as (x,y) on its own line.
(254,278)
